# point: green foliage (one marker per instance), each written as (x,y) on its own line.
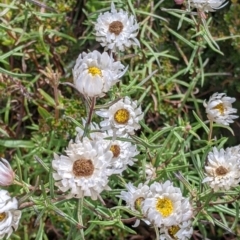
(183,59)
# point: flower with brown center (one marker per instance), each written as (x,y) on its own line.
(222,169)
(116,30)
(85,169)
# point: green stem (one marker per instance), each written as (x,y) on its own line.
(79,216)
(210,131)
(91,110)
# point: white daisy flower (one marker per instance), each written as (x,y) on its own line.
(207,5)
(223,170)
(165,205)
(122,117)
(9,215)
(85,169)
(123,151)
(182,231)
(116,30)
(134,196)
(219,109)
(95,73)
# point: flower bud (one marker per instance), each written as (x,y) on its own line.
(6,173)
(179,2)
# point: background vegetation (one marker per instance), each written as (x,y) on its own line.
(176,68)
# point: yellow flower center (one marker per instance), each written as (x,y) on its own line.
(220,108)
(83,168)
(138,202)
(2,216)
(115,149)
(95,71)
(164,206)
(121,116)
(173,230)
(115,27)
(221,171)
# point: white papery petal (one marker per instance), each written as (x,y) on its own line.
(135,115)
(112,41)
(207,5)
(229,160)
(223,115)
(9,207)
(96,85)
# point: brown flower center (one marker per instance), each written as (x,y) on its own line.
(116,27)
(220,108)
(2,216)
(115,149)
(221,171)
(121,116)
(173,230)
(83,168)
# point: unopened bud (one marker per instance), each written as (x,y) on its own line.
(179,2)
(6,173)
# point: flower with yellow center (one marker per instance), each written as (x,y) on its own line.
(116,30)
(165,206)
(223,169)
(95,73)
(9,214)
(85,169)
(123,151)
(182,231)
(122,117)
(219,109)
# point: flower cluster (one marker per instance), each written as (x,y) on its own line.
(163,206)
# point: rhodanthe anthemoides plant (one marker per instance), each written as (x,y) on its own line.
(118,141)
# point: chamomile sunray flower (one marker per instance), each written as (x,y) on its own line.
(219,109)
(165,205)
(85,169)
(122,117)
(182,231)
(124,152)
(207,5)
(116,30)
(9,214)
(95,73)
(222,170)
(134,198)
